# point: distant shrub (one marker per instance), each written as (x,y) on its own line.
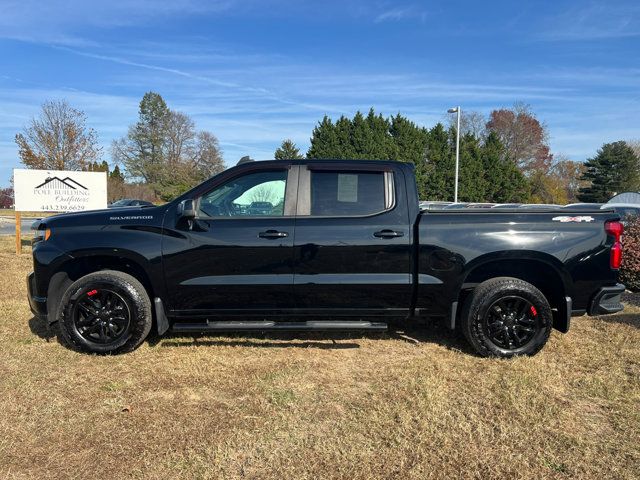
(630,270)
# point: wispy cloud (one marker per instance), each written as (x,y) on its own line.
(396,14)
(174,71)
(594,21)
(286,99)
(68,22)
(253,86)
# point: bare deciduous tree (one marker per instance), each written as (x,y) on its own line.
(58,139)
(471,122)
(569,173)
(263,193)
(635,146)
(205,155)
(180,138)
(165,150)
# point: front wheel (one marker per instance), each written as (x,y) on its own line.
(105,312)
(505,317)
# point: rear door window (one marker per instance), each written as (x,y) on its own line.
(348,193)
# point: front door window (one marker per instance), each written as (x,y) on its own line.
(259,194)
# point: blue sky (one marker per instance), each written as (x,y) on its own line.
(255,72)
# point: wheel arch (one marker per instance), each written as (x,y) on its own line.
(78,266)
(543,271)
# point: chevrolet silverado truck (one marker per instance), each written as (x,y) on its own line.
(308,245)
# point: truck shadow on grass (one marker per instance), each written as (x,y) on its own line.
(251,340)
(632,319)
(42,329)
(321,340)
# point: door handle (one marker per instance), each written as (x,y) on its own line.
(388,234)
(271,234)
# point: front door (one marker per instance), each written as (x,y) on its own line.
(353,241)
(237,255)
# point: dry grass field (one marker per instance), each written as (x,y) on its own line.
(411,406)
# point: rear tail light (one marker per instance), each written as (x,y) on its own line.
(615,229)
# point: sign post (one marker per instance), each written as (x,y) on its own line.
(56,191)
(18,233)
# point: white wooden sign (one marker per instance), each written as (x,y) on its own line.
(59,190)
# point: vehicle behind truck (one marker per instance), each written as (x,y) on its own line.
(322,245)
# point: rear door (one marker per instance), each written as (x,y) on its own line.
(353,240)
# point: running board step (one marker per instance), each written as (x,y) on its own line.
(281,326)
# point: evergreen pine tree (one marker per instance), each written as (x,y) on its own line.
(287,151)
(472,185)
(150,129)
(361,137)
(615,169)
(344,147)
(409,145)
(504,182)
(116,174)
(382,144)
(439,165)
(409,141)
(324,140)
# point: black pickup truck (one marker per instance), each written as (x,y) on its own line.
(321,245)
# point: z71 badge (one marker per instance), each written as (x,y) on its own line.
(566,219)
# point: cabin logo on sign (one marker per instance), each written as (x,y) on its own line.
(60,184)
(62,194)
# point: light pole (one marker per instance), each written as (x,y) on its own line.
(457,110)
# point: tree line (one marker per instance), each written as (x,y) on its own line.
(486,172)
(504,157)
(162,154)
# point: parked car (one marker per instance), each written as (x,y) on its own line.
(507,205)
(349,250)
(481,205)
(625,210)
(433,205)
(540,206)
(467,205)
(129,202)
(456,206)
(581,206)
(260,208)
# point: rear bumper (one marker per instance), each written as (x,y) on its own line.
(607,300)
(37,304)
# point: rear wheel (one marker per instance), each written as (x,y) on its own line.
(505,317)
(105,312)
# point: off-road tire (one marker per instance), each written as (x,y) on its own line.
(485,295)
(128,289)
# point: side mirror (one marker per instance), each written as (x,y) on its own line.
(186,209)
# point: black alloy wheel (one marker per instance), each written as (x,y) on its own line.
(101,316)
(511,322)
(105,312)
(506,317)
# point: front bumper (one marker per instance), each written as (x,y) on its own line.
(607,300)
(37,304)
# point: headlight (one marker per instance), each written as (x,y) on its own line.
(42,235)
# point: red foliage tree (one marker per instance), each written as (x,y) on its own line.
(523,136)
(6,197)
